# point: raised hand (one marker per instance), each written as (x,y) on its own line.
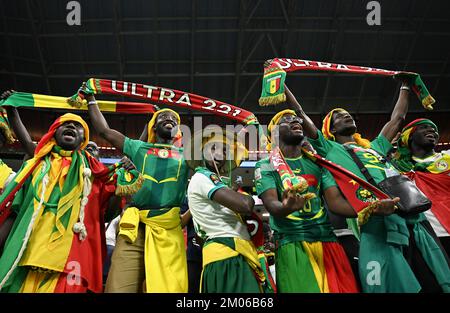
(127,164)
(292,200)
(6,94)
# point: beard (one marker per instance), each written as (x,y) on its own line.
(165,133)
(293,140)
(347,131)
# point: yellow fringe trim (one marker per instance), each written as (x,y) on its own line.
(427,102)
(309,196)
(78,102)
(126,190)
(364,214)
(272,100)
(7,132)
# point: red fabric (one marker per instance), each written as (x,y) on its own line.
(291,65)
(339,272)
(436,187)
(62,286)
(255,229)
(349,183)
(5,206)
(134,107)
(172,97)
(91,252)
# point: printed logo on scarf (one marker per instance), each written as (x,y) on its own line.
(365,195)
(441,165)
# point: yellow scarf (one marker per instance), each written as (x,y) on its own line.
(165,255)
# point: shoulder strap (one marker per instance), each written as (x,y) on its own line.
(361,166)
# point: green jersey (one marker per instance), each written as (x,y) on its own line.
(165,172)
(335,152)
(309,224)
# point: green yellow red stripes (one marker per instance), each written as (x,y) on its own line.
(313,267)
(23,99)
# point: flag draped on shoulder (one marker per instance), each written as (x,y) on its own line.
(436,187)
(361,195)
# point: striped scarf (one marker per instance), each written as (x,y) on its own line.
(275,76)
(161,95)
(23,99)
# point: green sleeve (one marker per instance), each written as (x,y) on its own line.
(381,144)
(131,147)
(321,144)
(327,179)
(264,177)
(207,183)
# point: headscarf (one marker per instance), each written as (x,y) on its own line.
(326,130)
(151,138)
(226,138)
(403,158)
(274,121)
(48,141)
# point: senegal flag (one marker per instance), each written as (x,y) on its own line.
(273,86)
(23,99)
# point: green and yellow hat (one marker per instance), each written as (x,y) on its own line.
(403,157)
(326,129)
(194,148)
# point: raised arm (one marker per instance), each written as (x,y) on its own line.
(101,126)
(17,126)
(291,202)
(308,125)
(233,200)
(144,134)
(398,114)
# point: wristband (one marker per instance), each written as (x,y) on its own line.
(92,102)
(405,88)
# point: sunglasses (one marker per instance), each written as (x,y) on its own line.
(290,119)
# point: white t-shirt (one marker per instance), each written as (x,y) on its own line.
(211,219)
(111,231)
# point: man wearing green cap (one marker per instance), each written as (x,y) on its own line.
(416,152)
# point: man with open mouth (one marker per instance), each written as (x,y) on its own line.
(416,152)
(230,259)
(403,250)
(55,207)
(149,255)
(308,257)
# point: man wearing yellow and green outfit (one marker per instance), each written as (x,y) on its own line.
(430,169)
(397,253)
(308,257)
(230,260)
(6,137)
(150,254)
